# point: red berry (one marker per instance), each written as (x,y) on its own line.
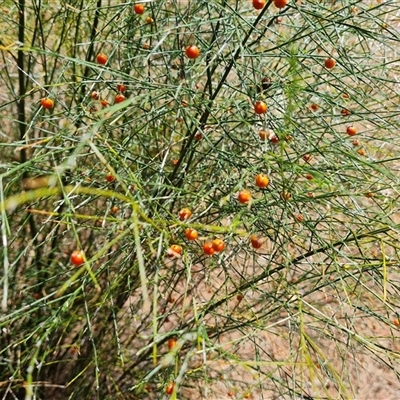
(77,257)
(47,103)
(101,58)
(258,4)
(192,51)
(208,249)
(138,8)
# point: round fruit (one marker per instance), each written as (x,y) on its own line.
(263,134)
(184,214)
(280,3)
(299,217)
(208,249)
(244,196)
(114,209)
(104,103)
(191,234)
(149,20)
(309,177)
(260,107)
(110,178)
(95,95)
(119,98)
(171,343)
(192,51)
(273,139)
(170,388)
(255,242)
(77,257)
(176,249)
(314,107)
(351,130)
(218,245)
(47,103)
(138,8)
(101,58)
(307,157)
(121,88)
(285,196)
(262,181)
(258,4)
(330,63)
(344,111)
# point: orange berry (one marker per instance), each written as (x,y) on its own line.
(309,177)
(255,242)
(138,8)
(77,258)
(175,250)
(351,130)
(95,95)
(149,20)
(110,178)
(192,51)
(262,181)
(345,112)
(101,58)
(285,196)
(104,103)
(355,142)
(260,107)
(258,4)
(244,196)
(280,3)
(263,134)
(171,343)
(273,139)
(299,217)
(314,107)
(121,88)
(218,245)
(119,98)
(47,103)
(184,214)
(330,63)
(170,388)
(191,234)
(396,322)
(307,157)
(208,249)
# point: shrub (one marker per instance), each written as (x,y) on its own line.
(303,287)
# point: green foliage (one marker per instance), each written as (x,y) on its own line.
(289,320)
